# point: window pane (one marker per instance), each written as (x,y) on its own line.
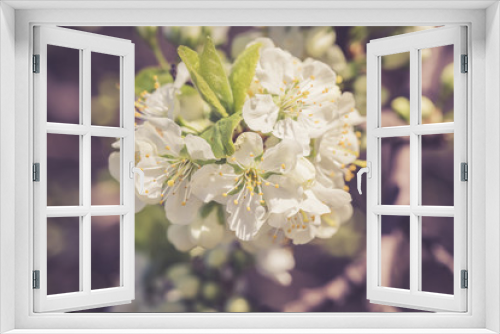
(395,92)
(63,170)
(395,170)
(105,89)
(437,254)
(395,252)
(105,258)
(63,255)
(63,85)
(437,169)
(437,84)
(105,171)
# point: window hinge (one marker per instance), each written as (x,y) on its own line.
(36,63)
(465,64)
(36,279)
(465,279)
(36,172)
(464,171)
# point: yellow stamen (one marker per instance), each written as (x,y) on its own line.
(235,202)
(170,183)
(224,195)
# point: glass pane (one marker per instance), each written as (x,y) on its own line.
(437,84)
(105,89)
(63,85)
(395,170)
(437,254)
(63,255)
(395,92)
(105,257)
(437,169)
(63,170)
(395,252)
(105,171)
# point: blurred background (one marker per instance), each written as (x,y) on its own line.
(328,275)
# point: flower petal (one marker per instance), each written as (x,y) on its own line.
(246,215)
(198,148)
(282,194)
(274,68)
(248,146)
(182,75)
(281,157)
(164,133)
(290,129)
(153,181)
(210,182)
(313,205)
(304,171)
(334,198)
(180,208)
(260,113)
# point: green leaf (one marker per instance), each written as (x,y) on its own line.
(212,70)
(144,80)
(220,135)
(242,74)
(192,61)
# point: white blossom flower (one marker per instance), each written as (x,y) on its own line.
(304,223)
(296,100)
(339,146)
(252,183)
(168,161)
(202,232)
(167,100)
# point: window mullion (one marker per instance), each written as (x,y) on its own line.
(414,170)
(86,166)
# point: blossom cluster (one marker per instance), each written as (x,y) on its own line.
(256,151)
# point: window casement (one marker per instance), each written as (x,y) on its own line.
(416,211)
(83,211)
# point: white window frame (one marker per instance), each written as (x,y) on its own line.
(86,44)
(484,103)
(413,43)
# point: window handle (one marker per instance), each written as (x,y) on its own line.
(134,170)
(368,171)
